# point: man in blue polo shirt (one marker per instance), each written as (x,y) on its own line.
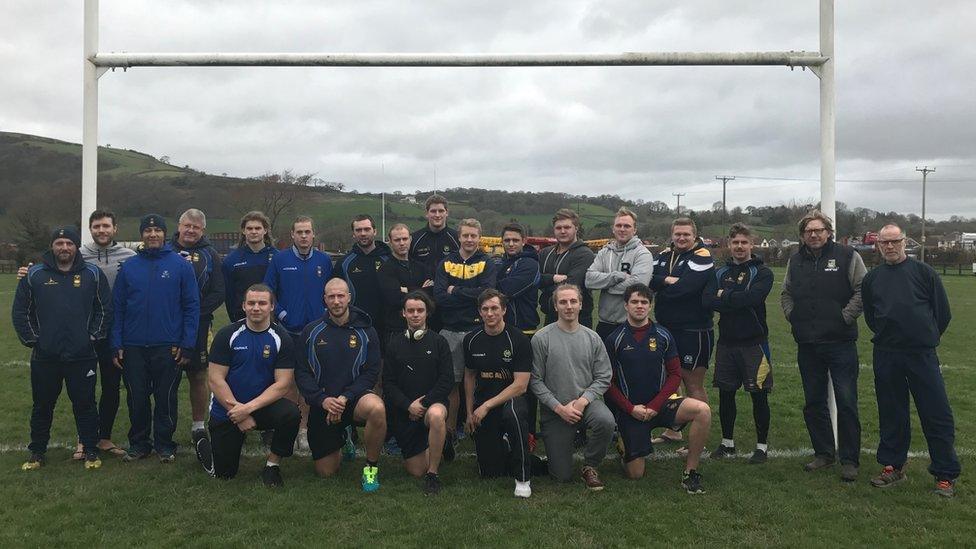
(251,370)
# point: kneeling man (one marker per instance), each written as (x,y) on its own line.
(498,362)
(418,375)
(646,373)
(338,366)
(251,371)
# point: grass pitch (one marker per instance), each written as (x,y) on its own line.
(775,504)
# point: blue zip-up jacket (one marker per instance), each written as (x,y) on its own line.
(337,360)
(299,286)
(206,267)
(518,278)
(359,269)
(59,314)
(683,305)
(156,301)
(459,309)
(242,268)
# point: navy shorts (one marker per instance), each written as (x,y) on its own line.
(636,435)
(325,439)
(748,367)
(694,347)
(199,360)
(411,436)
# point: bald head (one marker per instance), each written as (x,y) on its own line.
(337,300)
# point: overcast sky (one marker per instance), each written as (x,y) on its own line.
(906,96)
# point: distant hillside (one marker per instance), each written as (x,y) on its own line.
(40,186)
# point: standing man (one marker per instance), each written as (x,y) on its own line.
(498,364)
(518,278)
(417,377)
(624,261)
(359,269)
(106,254)
(566,261)
(61,308)
(247,264)
(742,355)
(681,273)
(435,242)
(399,276)
(338,365)
(906,307)
(570,373)
(822,299)
(458,281)
(191,243)
(154,330)
(252,367)
(297,277)
(646,370)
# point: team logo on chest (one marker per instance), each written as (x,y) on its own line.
(195,257)
(267,351)
(831,265)
(378,263)
(77,281)
(51,282)
(652,344)
(318,271)
(447,249)
(353,342)
(164,274)
(742,277)
(507,355)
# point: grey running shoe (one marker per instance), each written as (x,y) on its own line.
(848,472)
(889,476)
(945,488)
(819,462)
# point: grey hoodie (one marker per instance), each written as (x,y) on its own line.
(614,269)
(107,259)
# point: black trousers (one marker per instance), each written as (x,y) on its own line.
(151,372)
(227,440)
(497,458)
(111,381)
(896,373)
(47,378)
(840,361)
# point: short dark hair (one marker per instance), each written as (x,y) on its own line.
(740,228)
(434,199)
(514,228)
(640,289)
(362,217)
(491,293)
(99,214)
(566,213)
(260,288)
(685,222)
(418,295)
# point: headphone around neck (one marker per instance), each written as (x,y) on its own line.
(415,335)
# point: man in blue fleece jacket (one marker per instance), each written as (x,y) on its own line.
(338,365)
(156,315)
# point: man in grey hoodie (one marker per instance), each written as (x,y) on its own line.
(624,261)
(570,373)
(106,254)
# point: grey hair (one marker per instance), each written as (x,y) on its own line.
(194,214)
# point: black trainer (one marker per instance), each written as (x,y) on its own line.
(198,434)
(432,484)
(758,457)
(271,476)
(205,455)
(691,481)
(723,451)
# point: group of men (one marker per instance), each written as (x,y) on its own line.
(394,337)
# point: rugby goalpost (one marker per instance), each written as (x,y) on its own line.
(821,63)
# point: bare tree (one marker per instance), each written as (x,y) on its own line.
(280,190)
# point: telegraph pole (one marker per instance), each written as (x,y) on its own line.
(725,179)
(677,209)
(925,172)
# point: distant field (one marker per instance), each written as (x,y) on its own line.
(771,505)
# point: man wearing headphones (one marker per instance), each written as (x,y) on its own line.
(418,375)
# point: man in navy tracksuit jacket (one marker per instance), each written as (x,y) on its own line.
(907,308)
(61,308)
(338,365)
(298,276)
(518,278)
(359,269)
(156,316)
(246,264)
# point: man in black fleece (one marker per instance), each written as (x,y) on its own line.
(418,375)
(399,276)
(738,292)
(906,307)
(359,269)
(565,262)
